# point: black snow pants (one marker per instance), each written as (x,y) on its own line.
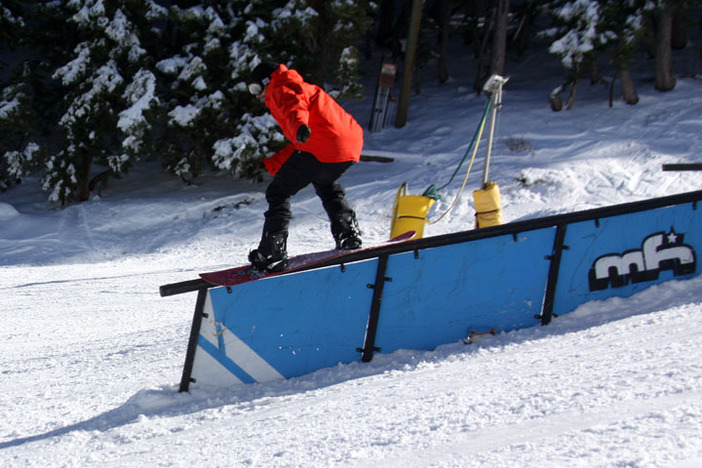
(300,170)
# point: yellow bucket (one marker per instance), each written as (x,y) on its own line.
(488,206)
(409,213)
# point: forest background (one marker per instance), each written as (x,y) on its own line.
(90,87)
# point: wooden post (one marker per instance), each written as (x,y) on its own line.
(410,53)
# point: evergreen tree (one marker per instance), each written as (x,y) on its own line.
(334,29)
(107,82)
(212,120)
(347,75)
(622,23)
(18,152)
(586,27)
(206,120)
(107,86)
(663,15)
(577,36)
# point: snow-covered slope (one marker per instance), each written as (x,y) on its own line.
(90,355)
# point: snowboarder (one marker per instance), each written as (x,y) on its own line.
(326,141)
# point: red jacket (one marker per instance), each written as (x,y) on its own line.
(336,136)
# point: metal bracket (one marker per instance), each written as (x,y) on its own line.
(372,327)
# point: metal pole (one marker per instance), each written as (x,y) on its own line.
(493,86)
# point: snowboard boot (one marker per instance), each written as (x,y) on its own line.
(346,232)
(271,254)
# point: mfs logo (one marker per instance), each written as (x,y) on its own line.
(658,252)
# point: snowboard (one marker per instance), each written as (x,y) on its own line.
(246,273)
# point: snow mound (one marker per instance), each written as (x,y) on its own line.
(7,211)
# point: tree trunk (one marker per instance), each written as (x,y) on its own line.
(84,164)
(571,98)
(555,96)
(444,17)
(478,85)
(678,36)
(665,79)
(386,15)
(410,58)
(629,93)
(499,40)
(322,49)
(520,39)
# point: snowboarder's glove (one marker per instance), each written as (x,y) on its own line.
(303,133)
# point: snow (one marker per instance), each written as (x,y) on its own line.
(182,115)
(76,68)
(119,31)
(8,107)
(91,356)
(88,12)
(171,65)
(141,93)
